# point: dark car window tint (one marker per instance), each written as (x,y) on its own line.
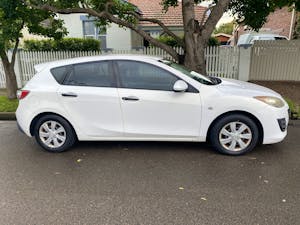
(59,73)
(96,74)
(137,75)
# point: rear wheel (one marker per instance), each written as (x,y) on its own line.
(54,133)
(234,134)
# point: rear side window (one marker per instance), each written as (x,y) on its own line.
(59,73)
(95,74)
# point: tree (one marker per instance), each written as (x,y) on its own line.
(14,16)
(196,33)
(226,28)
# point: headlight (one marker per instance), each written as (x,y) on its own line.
(273,101)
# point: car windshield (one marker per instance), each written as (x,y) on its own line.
(192,74)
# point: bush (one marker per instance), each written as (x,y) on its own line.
(65,44)
(168,40)
(213,41)
(173,43)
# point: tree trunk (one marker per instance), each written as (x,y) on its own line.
(10,76)
(194,43)
(195,56)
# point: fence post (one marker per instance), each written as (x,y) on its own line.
(18,70)
(244,63)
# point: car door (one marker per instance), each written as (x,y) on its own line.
(90,97)
(150,107)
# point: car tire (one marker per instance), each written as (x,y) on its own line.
(234,134)
(54,134)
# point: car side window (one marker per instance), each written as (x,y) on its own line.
(93,74)
(138,75)
(59,73)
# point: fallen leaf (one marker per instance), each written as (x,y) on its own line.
(79,160)
(181,188)
(57,173)
(204,199)
(252,158)
(283,200)
(266,181)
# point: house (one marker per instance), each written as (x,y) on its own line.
(281,22)
(223,38)
(172,18)
(115,37)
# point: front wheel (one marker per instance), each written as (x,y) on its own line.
(234,134)
(54,133)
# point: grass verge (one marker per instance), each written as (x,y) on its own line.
(7,105)
(295,109)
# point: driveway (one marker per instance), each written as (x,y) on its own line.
(147,183)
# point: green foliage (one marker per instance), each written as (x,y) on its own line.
(116,7)
(295,109)
(254,13)
(168,40)
(251,12)
(173,43)
(7,105)
(213,41)
(14,15)
(226,28)
(65,44)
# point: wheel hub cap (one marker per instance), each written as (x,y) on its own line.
(235,136)
(52,134)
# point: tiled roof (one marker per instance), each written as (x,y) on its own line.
(173,17)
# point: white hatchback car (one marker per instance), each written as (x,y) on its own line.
(140,98)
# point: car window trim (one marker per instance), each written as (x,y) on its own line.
(191,88)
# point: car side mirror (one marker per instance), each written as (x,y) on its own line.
(180,86)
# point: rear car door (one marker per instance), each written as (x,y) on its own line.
(89,95)
(150,107)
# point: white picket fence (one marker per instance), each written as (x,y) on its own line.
(220,61)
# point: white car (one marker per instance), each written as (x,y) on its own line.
(140,98)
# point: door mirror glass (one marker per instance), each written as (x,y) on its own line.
(180,86)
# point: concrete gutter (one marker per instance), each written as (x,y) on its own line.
(7,116)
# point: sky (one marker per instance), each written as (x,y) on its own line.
(226,17)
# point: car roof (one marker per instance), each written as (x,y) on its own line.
(64,62)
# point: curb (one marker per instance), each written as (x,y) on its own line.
(7,116)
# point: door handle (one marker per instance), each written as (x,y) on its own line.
(69,94)
(130,98)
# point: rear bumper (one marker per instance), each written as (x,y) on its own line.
(20,128)
(23,121)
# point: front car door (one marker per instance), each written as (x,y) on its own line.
(90,97)
(150,107)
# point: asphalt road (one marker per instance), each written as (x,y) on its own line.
(147,183)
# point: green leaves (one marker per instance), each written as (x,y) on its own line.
(15,15)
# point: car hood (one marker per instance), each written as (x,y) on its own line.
(236,87)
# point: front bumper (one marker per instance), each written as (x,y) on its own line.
(275,124)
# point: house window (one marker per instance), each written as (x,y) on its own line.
(90,30)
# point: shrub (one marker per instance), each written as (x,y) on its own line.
(65,44)
(213,41)
(173,43)
(168,40)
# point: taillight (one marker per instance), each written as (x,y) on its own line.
(21,94)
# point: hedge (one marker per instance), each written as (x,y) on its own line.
(173,43)
(65,44)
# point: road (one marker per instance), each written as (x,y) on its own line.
(147,183)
